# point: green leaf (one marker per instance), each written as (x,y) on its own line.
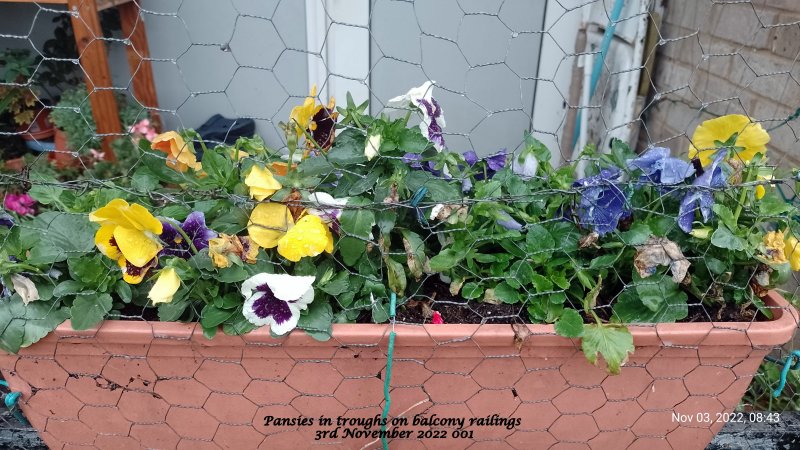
(123,290)
(237,325)
(68,287)
(380,312)
(570,324)
(337,285)
(22,325)
(724,238)
(446,259)
(613,342)
(212,316)
(364,184)
(629,308)
(55,236)
(541,283)
(357,220)
(144,180)
(507,294)
(172,311)
(396,275)
(232,274)
(88,310)
(653,291)
(540,242)
(317,321)
(439,190)
(46,194)
(637,235)
(772,205)
(351,249)
(217,166)
(604,261)
(725,215)
(471,290)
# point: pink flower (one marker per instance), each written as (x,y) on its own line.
(143,129)
(22,204)
(97,155)
(437,318)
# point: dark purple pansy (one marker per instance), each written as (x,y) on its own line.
(700,194)
(602,202)
(323,134)
(433,122)
(658,166)
(494,163)
(195,228)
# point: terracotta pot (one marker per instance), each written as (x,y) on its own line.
(40,129)
(62,156)
(15,164)
(163,385)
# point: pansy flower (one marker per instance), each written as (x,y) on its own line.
(791,250)
(700,196)
(276,300)
(221,249)
(272,225)
(261,183)
(6,220)
(602,202)
(327,208)
(319,120)
(128,234)
(421,98)
(658,166)
(180,155)
(195,228)
(494,162)
(165,287)
(751,138)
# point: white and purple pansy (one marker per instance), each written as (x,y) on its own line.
(276,300)
(327,207)
(421,98)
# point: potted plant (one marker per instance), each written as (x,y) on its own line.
(76,128)
(19,99)
(260,301)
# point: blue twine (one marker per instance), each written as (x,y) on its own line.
(792,360)
(387,380)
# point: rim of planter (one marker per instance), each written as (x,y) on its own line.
(777,331)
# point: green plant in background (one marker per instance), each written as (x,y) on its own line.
(73,115)
(238,237)
(18,99)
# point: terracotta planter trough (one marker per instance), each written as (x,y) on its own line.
(163,385)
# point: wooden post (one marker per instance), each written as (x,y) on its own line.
(93,60)
(138,52)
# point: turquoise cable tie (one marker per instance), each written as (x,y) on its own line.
(787,366)
(10,401)
(387,380)
(418,196)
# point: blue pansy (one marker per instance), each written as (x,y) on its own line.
(602,202)
(195,228)
(700,194)
(659,167)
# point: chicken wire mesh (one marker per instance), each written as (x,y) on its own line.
(500,68)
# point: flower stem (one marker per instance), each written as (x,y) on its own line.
(742,195)
(183,234)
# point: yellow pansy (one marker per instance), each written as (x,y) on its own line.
(165,287)
(180,156)
(309,237)
(776,247)
(751,137)
(261,183)
(132,274)
(128,232)
(791,250)
(761,191)
(221,249)
(301,115)
(268,222)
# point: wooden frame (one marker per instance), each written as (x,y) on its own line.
(93,59)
